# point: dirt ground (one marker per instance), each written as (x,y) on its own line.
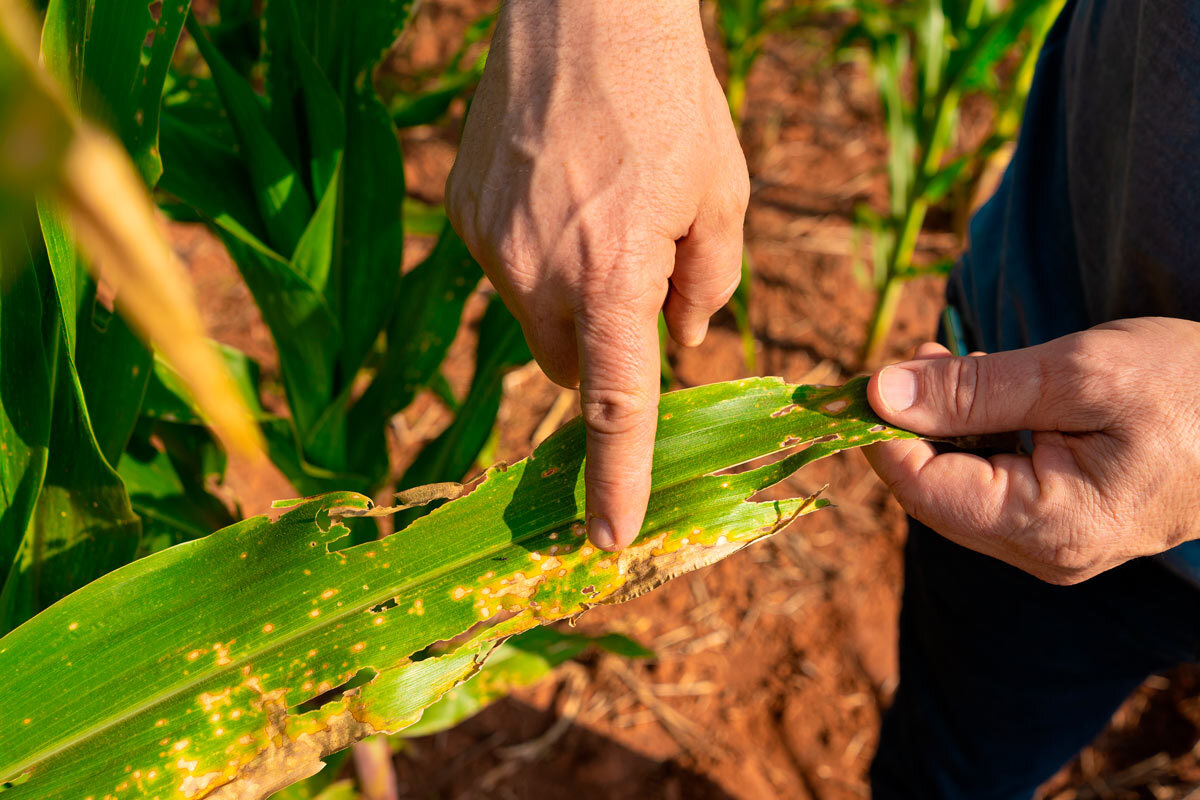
(773,666)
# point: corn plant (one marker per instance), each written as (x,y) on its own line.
(79,236)
(925,56)
(304,184)
(305,187)
(231,665)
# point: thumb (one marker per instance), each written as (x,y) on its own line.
(1050,387)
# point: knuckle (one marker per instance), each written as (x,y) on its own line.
(616,412)
(962,389)
(710,297)
(607,287)
(1069,561)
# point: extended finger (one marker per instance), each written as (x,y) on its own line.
(619,375)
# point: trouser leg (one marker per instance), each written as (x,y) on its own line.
(1003,678)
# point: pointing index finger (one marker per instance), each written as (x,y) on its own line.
(619,374)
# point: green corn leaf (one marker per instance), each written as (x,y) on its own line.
(115,56)
(427,107)
(501,348)
(1002,29)
(70,520)
(305,331)
(26,397)
(113,365)
(213,181)
(307,335)
(423,219)
(521,661)
(168,400)
(126,54)
(167,483)
(236,34)
(352,38)
(283,202)
(315,252)
(300,92)
(424,323)
(195,101)
(207,175)
(83,524)
(945,179)
(373,230)
(202,660)
(286,452)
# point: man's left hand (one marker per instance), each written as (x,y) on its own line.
(1115,469)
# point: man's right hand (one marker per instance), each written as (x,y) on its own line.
(600,181)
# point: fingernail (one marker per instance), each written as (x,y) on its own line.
(898,386)
(601,533)
(696,335)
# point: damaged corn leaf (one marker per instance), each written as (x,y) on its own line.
(228,666)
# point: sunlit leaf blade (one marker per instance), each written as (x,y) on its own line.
(194,656)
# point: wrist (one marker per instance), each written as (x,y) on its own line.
(599,18)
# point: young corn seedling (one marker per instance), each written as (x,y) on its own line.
(925,56)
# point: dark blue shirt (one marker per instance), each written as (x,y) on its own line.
(1098,215)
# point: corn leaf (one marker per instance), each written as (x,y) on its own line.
(203,660)
(82,525)
(430,304)
(283,201)
(350,39)
(28,355)
(205,173)
(167,469)
(502,347)
(300,91)
(372,216)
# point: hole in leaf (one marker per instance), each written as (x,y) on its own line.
(15,782)
(446,646)
(364,676)
(788,447)
(384,606)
